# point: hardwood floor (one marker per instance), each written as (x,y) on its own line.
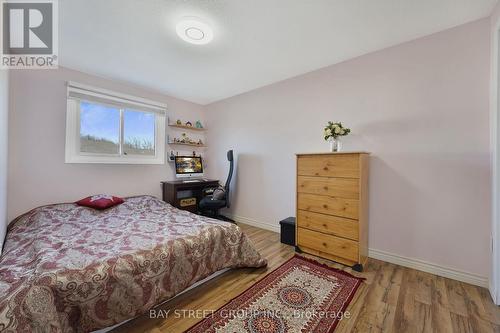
(392,299)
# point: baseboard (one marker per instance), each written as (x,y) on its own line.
(417,264)
(428,267)
(493,291)
(255,223)
(494,295)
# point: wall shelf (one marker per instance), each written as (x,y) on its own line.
(187,144)
(187,127)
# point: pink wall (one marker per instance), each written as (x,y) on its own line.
(421,108)
(37,123)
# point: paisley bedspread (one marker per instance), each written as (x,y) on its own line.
(67,268)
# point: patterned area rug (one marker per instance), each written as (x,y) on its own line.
(301,295)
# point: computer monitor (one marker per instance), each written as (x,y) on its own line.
(188,166)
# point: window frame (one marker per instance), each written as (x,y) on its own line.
(121,102)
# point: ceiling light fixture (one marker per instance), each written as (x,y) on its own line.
(194,31)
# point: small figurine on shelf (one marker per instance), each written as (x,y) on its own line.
(178,122)
(198,124)
(200,143)
(172,156)
(184,138)
(189,124)
(194,153)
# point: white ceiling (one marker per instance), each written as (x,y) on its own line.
(257,42)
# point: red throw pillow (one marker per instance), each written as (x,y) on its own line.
(100,201)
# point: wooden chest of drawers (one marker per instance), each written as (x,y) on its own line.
(332,206)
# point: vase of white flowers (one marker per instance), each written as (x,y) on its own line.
(335,144)
(333,132)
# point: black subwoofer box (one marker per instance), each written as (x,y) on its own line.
(288,231)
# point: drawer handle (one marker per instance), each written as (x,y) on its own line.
(325,188)
(325,168)
(324,244)
(324,225)
(325,206)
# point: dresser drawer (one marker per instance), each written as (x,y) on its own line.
(339,247)
(344,165)
(328,224)
(335,187)
(328,205)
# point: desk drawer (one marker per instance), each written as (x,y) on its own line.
(339,247)
(328,224)
(335,187)
(344,165)
(328,205)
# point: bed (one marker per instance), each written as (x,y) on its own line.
(67,268)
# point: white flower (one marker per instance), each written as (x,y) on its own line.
(342,132)
(337,130)
(328,132)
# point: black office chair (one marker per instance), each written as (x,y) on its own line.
(211,204)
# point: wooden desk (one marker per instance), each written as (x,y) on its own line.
(186,195)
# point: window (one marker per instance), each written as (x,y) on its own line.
(107,127)
(99,129)
(138,133)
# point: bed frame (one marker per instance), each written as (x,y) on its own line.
(208,278)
